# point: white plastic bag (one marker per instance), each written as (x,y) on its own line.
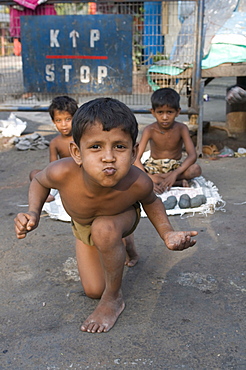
(13,126)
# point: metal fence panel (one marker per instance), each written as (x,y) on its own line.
(159,43)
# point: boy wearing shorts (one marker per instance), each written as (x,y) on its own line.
(101,190)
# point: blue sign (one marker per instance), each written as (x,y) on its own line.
(77,54)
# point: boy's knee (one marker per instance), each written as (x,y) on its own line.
(93,293)
(197,170)
(103,232)
(32,174)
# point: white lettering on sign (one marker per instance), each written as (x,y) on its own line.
(94,36)
(50,72)
(73,35)
(85,75)
(53,38)
(101,73)
(67,68)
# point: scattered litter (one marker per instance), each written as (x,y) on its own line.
(213,152)
(34,141)
(241,152)
(13,126)
(226,152)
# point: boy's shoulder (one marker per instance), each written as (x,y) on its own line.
(56,139)
(180,126)
(60,140)
(66,163)
(62,167)
(60,137)
(62,173)
(140,179)
(150,127)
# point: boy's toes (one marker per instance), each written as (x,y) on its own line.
(93,327)
(132,262)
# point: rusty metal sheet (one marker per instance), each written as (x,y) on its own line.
(77,54)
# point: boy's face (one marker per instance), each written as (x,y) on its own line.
(63,122)
(165,116)
(106,156)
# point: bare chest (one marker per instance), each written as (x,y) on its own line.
(84,208)
(165,141)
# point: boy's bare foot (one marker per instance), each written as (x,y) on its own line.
(185,183)
(131,261)
(132,256)
(105,315)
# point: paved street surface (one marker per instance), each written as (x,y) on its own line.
(184,310)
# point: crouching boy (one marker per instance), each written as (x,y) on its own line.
(101,190)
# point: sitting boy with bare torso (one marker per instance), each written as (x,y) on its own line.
(166,138)
(101,190)
(61,110)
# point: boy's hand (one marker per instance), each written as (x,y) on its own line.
(157,179)
(168,181)
(179,240)
(157,189)
(25,222)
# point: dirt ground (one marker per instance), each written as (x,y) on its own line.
(184,310)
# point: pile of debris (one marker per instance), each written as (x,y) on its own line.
(34,141)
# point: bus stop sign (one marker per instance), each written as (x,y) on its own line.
(77,54)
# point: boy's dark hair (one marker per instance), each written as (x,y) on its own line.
(63,103)
(165,96)
(111,113)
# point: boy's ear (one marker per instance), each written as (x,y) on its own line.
(134,152)
(178,112)
(75,153)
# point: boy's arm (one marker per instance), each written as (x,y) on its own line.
(142,146)
(190,150)
(25,222)
(38,191)
(53,151)
(174,240)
